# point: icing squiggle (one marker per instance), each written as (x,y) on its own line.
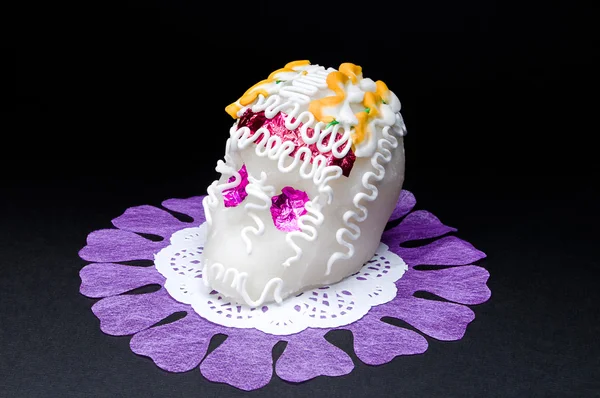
(212,200)
(238,282)
(351,217)
(263,193)
(303,87)
(307,231)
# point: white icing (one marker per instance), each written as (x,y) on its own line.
(211,200)
(236,280)
(343,111)
(307,231)
(257,189)
(352,230)
(367,84)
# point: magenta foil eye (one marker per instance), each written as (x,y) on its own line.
(234,196)
(287,208)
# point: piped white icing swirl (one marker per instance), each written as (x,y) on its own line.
(263,193)
(309,224)
(352,217)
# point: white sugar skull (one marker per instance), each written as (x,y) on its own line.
(313,168)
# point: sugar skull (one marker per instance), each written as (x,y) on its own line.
(312,170)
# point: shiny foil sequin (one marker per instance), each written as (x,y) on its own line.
(276,125)
(234,196)
(287,207)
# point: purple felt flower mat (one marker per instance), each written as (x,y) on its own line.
(244,360)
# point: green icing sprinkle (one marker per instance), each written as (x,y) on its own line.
(367,110)
(278,81)
(333,123)
(384,101)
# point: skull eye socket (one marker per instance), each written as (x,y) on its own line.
(233,197)
(287,208)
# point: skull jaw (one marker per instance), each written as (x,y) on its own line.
(246,277)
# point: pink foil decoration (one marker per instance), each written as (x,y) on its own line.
(234,196)
(287,208)
(276,126)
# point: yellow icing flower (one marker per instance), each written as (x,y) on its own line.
(342,83)
(283,74)
(334,109)
(372,101)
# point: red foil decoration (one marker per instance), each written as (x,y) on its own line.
(287,207)
(276,125)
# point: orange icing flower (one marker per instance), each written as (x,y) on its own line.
(372,102)
(336,82)
(253,92)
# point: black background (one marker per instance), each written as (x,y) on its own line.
(122,104)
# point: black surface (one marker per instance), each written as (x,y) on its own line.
(122,105)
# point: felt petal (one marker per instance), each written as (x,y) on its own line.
(148,220)
(178,346)
(417,225)
(107,279)
(449,250)
(464,285)
(438,319)
(128,314)
(377,342)
(113,245)
(244,360)
(191,207)
(308,355)
(404,205)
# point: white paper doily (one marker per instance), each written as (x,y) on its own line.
(327,307)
